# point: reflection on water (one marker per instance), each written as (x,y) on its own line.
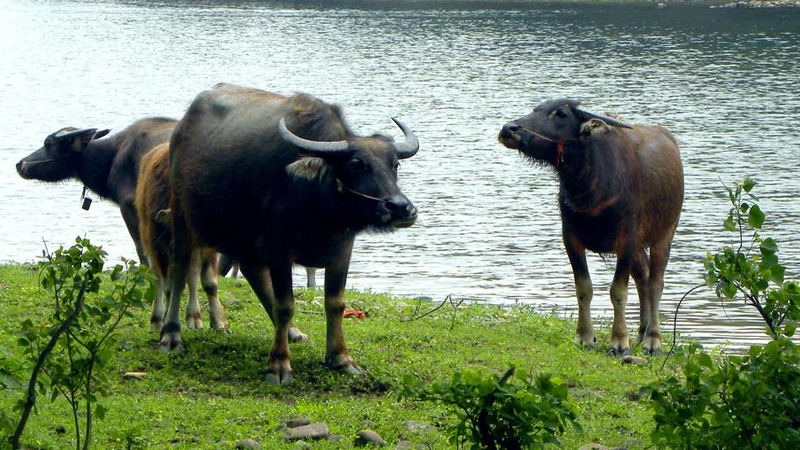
(726,83)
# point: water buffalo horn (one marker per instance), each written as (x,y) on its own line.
(409,147)
(586,115)
(313,148)
(76,133)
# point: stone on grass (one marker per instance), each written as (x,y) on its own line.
(633,442)
(632,396)
(314,431)
(630,359)
(594,446)
(246,444)
(367,437)
(334,438)
(294,423)
(417,427)
(133,375)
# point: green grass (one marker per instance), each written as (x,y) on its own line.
(216,390)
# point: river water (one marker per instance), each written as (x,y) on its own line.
(725,81)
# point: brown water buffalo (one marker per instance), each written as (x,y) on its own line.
(109,167)
(152,203)
(621,191)
(296,184)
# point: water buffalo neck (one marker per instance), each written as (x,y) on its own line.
(590,178)
(94,166)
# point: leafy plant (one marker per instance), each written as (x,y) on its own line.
(69,351)
(509,412)
(750,401)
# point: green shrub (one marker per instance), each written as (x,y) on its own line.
(509,412)
(750,401)
(65,355)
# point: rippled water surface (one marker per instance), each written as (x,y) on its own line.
(726,82)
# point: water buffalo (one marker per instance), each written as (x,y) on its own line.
(109,167)
(152,203)
(296,184)
(620,192)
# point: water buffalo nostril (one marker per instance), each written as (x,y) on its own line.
(397,204)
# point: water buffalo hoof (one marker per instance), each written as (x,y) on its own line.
(194,322)
(171,345)
(351,369)
(296,335)
(651,345)
(586,342)
(619,351)
(283,377)
(221,326)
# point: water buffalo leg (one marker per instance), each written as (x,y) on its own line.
(259,279)
(157,317)
(179,268)
(193,316)
(160,265)
(311,278)
(620,344)
(208,273)
(336,354)
(659,256)
(131,219)
(641,274)
(280,370)
(583,288)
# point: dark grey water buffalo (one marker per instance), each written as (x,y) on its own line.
(152,206)
(296,184)
(109,167)
(621,191)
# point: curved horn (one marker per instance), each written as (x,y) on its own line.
(313,148)
(410,146)
(76,133)
(586,115)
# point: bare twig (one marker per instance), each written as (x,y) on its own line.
(675,324)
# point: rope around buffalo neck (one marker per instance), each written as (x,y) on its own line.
(559,144)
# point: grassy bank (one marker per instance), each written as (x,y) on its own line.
(214,395)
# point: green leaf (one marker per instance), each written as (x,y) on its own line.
(769,247)
(748,184)
(756,217)
(729,224)
(789,329)
(100,412)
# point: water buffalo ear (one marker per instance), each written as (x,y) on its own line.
(309,168)
(593,127)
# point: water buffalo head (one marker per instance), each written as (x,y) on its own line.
(54,161)
(541,134)
(365,170)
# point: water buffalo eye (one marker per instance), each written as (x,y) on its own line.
(356,165)
(561,114)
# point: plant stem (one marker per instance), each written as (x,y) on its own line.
(31,400)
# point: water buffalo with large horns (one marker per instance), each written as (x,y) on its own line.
(621,191)
(109,167)
(296,184)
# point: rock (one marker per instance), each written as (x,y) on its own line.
(259,429)
(314,431)
(294,423)
(134,375)
(632,396)
(367,437)
(571,383)
(408,445)
(630,359)
(334,438)
(593,446)
(417,427)
(303,444)
(633,442)
(247,444)
(60,429)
